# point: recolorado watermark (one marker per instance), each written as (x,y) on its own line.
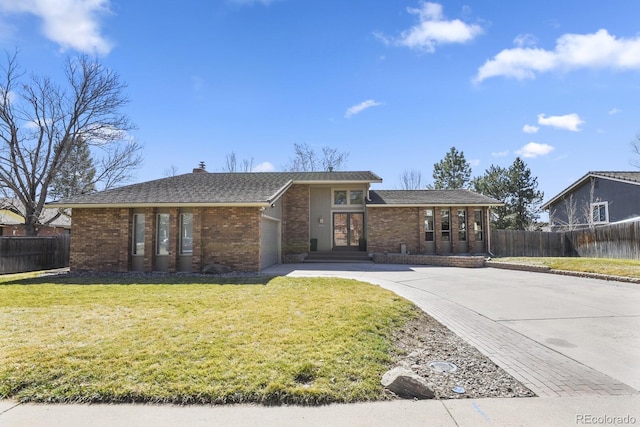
(590,419)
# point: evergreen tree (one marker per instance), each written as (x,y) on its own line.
(525,199)
(452,172)
(518,189)
(76,175)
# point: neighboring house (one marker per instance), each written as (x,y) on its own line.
(596,198)
(249,221)
(12,220)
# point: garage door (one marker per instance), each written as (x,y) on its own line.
(270,241)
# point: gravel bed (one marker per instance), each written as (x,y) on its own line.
(424,340)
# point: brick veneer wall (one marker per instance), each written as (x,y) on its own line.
(230,236)
(443,261)
(295,220)
(388,228)
(101,240)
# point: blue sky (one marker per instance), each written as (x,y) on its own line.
(395,83)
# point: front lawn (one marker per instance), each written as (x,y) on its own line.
(264,340)
(614,267)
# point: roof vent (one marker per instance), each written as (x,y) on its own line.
(201,168)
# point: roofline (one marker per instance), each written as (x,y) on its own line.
(420,205)
(579,182)
(343,182)
(160,205)
(275,196)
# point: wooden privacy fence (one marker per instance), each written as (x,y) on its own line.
(609,241)
(529,243)
(20,254)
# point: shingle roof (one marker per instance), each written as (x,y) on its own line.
(624,176)
(429,198)
(203,188)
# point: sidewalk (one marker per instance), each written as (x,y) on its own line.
(564,411)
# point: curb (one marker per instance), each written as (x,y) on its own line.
(544,269)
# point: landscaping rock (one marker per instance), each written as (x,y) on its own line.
(407,384)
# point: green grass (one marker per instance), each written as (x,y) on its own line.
(263,340)
(615,267)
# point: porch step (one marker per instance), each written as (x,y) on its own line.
(338,256)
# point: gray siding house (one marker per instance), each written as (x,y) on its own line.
(595,199)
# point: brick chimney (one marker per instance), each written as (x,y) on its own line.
(201,168)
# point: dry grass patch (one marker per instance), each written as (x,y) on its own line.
(614,267)
(280,340)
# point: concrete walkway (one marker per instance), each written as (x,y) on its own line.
(573,341)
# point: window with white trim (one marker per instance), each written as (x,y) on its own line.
(600,212)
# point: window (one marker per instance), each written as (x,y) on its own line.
(462,225)
(340,197)
(356,197)
(428,225)
(446,226)
(186,234)
(138,234)
(348,197)
(477,225)
(600,212)
(162,242)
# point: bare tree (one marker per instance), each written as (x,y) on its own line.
(571,212)
(306,160)
(231,164)
(411,180)
(635,148)
(41,123)
(171,171)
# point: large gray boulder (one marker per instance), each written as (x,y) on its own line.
(407,384)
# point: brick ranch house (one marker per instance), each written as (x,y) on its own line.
(249,221)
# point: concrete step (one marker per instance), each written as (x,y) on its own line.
(338,256)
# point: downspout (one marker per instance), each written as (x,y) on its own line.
(489,231)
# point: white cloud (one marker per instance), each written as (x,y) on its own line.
(263,167)
(615,111)
(568,121)
(500,153)
(433,29)
(530,129)
(533,149)
(72,24)
(474,162)
(352,111)
(572,51)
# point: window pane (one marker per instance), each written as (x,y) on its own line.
(445,220)
(162,244)
(138,234)
(357,197)
(186,233)
(462,225)
(340,197)
(477,225)
(428,225)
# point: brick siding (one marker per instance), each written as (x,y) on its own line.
(229,236)
(295,216)
(418,259)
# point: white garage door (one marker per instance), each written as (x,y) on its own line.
(270,241)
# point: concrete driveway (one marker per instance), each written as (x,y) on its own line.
(559,335)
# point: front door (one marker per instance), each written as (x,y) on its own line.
(348,229)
